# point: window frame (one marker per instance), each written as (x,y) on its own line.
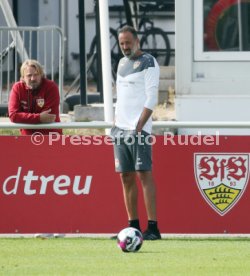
(199,53)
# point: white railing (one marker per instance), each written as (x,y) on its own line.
(102,124)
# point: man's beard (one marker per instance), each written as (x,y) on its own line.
(132,52)
(34,85)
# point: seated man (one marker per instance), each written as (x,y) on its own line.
(34,99)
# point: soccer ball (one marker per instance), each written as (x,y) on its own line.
(129,239)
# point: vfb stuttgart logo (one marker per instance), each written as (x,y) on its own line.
(222,178)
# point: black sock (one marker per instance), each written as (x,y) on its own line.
(134,223)
(152,225)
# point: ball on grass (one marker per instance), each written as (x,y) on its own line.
(129,239)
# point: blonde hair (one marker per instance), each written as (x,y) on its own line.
(33,63)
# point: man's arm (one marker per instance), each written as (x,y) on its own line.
(152,76)
(16,114)
(146,113)
(52,101)
(46,117)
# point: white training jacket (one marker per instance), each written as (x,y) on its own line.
(137,87)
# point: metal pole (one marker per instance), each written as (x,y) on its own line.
(106,61)
(82,51)
(218,125)
(244,27)
(128,13)
(240,26)
(98,52)
(63,25)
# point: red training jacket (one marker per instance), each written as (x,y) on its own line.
(25,105)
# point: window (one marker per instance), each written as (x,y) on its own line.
(222,29)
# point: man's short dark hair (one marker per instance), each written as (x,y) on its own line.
(128,28)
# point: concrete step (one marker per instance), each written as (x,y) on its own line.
(167,72)
(166,84)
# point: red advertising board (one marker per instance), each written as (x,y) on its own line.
(68,185)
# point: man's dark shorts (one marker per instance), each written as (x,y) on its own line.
(132,151)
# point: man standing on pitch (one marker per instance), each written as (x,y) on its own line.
(137,90)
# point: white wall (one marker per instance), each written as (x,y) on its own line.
(49,12)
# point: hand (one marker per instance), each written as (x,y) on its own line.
(45,117)
(138,128)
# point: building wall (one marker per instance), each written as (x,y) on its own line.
(28,7)
(49,12)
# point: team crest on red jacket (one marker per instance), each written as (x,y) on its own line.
(40,102)
(222,178)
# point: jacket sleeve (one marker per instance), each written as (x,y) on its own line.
(16,113)
(152,76)
(52,100)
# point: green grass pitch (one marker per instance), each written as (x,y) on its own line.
(101,256)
